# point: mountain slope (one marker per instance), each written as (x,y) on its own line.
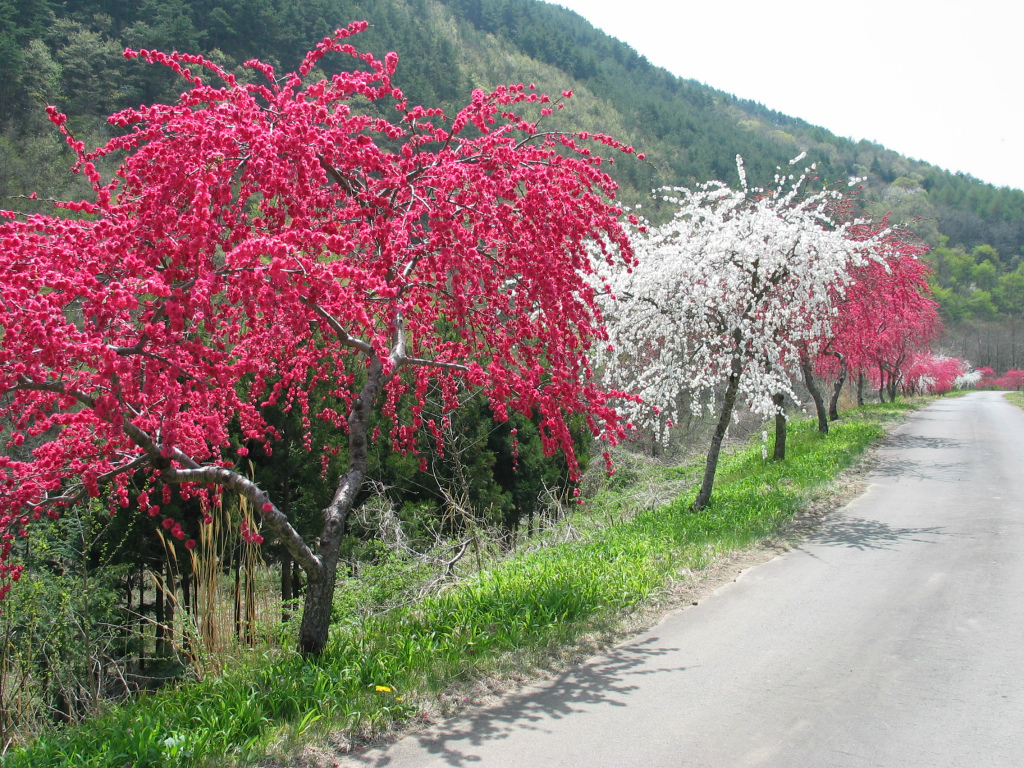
(70,54)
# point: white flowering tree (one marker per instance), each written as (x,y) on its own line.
(732,289)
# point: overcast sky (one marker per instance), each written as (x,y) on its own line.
(939,81)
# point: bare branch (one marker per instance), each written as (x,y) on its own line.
(192,472)
(346,338)
(435,364)
(25,383)
(69,498)
(397,356)
(275,519)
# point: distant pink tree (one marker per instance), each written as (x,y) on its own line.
(885,319)
(1012,379)
(932,374)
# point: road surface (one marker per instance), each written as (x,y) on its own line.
(892,637)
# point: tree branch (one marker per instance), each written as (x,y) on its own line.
(435,364)
(275,519)
(346,338)
(192,472)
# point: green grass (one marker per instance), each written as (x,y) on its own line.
(378,667)
(1017,398)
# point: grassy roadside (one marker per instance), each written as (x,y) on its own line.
(388,667)
(1017,398)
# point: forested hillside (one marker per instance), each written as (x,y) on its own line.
(70,54)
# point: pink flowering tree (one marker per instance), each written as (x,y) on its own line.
(261,240)
(932,374)
(885,319)
(986,377)
(730,291)
(1012,379)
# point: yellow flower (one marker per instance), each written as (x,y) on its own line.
(382,689)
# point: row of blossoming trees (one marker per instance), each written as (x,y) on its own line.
(751,288)
(262,242)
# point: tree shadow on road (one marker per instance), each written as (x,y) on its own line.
(900,467)
(603,681)
(895,461)
(921,441)
(858,533)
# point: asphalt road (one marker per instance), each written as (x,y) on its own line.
(893,637)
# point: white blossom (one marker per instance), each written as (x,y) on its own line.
(738,278)
(967,380)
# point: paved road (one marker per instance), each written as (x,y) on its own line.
(894,637)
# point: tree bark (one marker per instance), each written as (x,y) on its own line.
(780,426)
(812,387)
(837,388)
(711,464)
(319,596)
(860,389)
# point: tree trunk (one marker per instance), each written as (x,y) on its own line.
(316,611)
(319,597)
(837,388)
(812,387)
(860,389)
(893,387)
(780,426)
(711,464)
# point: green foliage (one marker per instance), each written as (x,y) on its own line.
(63,632)
(975,285)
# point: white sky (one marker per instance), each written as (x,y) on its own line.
(936,80)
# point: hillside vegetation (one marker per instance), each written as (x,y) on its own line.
(70,54)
